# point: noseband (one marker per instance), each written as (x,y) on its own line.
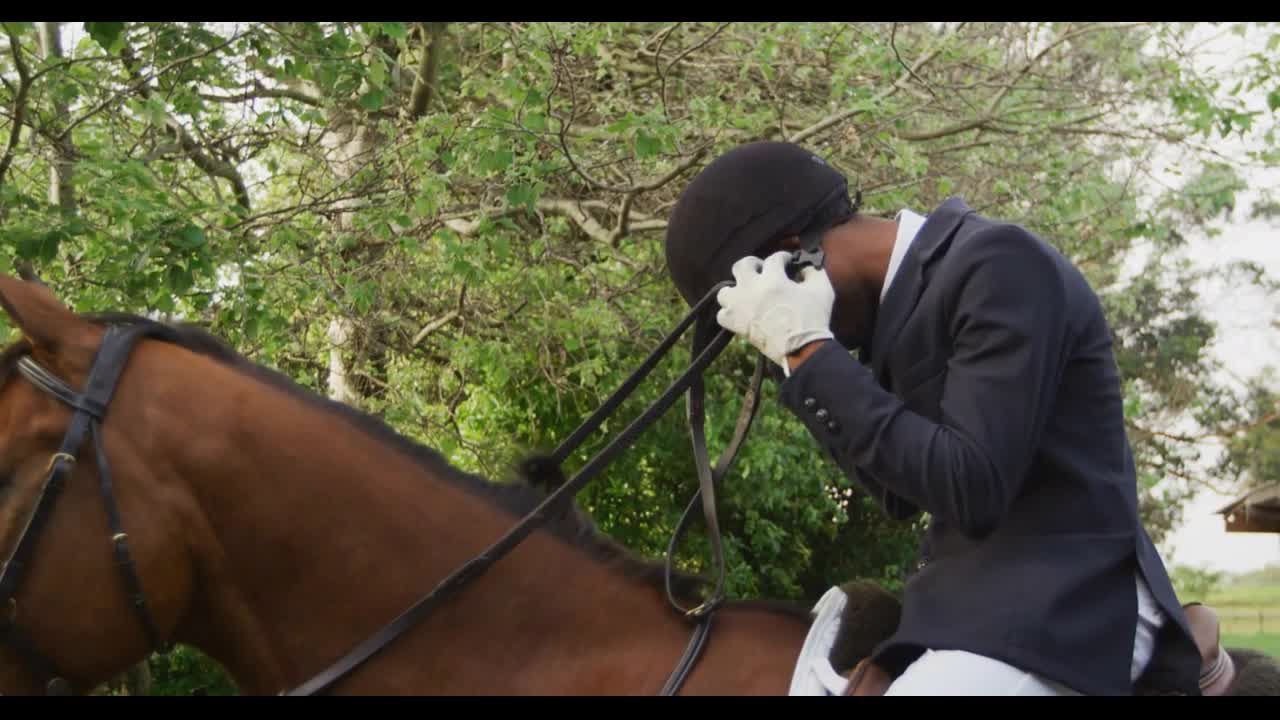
(90,409)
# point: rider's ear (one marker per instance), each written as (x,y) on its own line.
(43,319)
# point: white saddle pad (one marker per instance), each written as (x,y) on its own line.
(814,674)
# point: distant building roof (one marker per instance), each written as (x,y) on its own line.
(1258,511)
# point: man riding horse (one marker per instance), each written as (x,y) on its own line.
(985,394)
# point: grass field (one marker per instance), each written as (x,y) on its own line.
(1249,611)
(1251,596)
(1268,643)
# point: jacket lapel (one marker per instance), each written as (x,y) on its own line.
(909,283)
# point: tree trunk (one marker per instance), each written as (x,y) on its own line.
(61,189)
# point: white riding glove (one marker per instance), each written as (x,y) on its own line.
(774,313)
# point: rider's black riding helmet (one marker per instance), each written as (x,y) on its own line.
(746,202)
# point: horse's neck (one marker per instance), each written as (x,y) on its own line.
(318,534)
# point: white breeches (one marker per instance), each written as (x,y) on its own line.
(957,672)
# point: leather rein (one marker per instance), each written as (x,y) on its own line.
(704,352)
(91,408)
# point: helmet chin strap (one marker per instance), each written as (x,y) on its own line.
(810,254)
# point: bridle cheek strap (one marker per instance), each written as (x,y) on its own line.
(90,410)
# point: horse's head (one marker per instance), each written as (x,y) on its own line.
(76,539)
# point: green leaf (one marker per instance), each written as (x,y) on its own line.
(377,74)
(395,30)
(497,160)
(522,195)
(156,110)
(372,100)
(110,35)
(622,124)
(190,238)
(647,145)
(41,246)
(1273,100)
(179,279)
(424,205)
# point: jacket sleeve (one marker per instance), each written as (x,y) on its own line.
(1009,337)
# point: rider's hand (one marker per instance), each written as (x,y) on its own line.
(774,313)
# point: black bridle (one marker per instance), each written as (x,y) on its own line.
(90,409)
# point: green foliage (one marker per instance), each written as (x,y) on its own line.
(1194,584)
(109,35)
(186,671)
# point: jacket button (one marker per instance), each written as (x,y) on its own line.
(822,415)
(809,403)
(833,426)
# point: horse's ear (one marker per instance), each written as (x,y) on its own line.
(33,309)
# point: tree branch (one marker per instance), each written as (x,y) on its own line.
(901,82)
(213,167)
(893,34)
(433,326)
(260,91)
(1026,67)
(564,141)
(423,86)
(922,135)
(1209,436)
(573,209)
(139,80)
(662,74)
(580,217)
(624,219)
(19,103)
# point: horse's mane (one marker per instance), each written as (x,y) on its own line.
(518,497)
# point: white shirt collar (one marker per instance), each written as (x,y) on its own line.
(909,224)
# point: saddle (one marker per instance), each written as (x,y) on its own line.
(868,678)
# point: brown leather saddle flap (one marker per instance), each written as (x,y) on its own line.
(867,678)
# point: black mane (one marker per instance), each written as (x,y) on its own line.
(518,497)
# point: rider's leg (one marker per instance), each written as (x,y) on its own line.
(956,672)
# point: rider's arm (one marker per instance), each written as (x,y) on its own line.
(1009,338)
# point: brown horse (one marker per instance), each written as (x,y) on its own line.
(275,530)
